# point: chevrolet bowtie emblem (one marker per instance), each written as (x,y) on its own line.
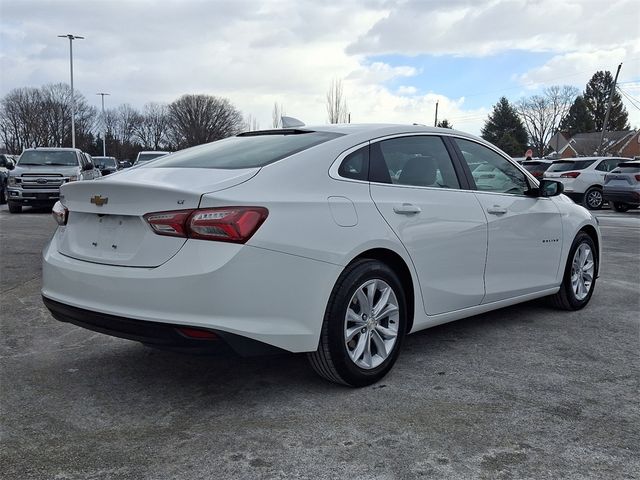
(98,200)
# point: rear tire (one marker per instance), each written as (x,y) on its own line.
(364,325)
(593,198)
(620,207)
(4,195)
(579,275)
(15,207)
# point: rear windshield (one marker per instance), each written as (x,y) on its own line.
(145,157)
(43,157)
(106,161)
(536,166)
(565,166)
(244,151)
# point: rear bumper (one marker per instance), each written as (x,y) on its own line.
(157,334)
(267,296)
(630,197)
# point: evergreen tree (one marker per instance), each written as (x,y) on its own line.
(578,120)
(444,123)
(504,129)
(596,97)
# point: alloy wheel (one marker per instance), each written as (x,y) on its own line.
(371,324)
(582,271)
(594,199)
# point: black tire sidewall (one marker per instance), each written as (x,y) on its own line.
(353,278)
(566,281)
(620,207)
(586,198)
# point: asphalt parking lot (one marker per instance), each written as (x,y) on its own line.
(526,392)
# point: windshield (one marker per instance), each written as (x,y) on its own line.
(145,157)
(105,161)
(565,166)
(249,151)
(48,157)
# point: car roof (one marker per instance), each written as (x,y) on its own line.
(56,149)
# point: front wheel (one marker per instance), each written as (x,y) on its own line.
(579,275)
(620,207)
(593,198)
(15,207)
(4,195)
(364,325)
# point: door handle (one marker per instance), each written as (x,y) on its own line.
(497,210)
(406,209)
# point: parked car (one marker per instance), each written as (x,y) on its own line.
(40,172)
(124,163)
(301,240)
(622,186)
(106,165)
(6,164)
(583,178)
(144,157)
(537,167)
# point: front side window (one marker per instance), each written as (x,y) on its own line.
(491,172)
(420,161)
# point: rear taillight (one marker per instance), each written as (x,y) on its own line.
(638,177)
(60,213)
(226,224)
(570,175)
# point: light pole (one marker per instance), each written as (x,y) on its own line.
(104,126)
(73,100)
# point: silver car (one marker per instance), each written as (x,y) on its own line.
(622,186)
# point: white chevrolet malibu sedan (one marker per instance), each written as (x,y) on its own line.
(335,240)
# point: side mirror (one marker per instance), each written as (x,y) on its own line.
(547,188)
(10,165)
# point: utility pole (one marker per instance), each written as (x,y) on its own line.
(435,122)
(104,126)
(73,98)
(606,117)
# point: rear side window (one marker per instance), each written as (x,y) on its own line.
(420,161)
(565,166)
(356,165)
(627,169)
(250,151)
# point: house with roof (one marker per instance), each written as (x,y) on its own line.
(624,143)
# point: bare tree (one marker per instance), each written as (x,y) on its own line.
(197,119)
(276,115)
(153,127)
(542,114)
(336,103)
(251,123)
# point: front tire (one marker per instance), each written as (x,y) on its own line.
(620,207)
(4,195)
(15,207)
(364,325)
(579,275)
(593,198)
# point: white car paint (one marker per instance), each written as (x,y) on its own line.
(462,259)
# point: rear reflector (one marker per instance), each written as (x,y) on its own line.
(570,175)
(197,333)
(225,224)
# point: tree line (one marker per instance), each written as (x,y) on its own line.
(41,117)
(532,121)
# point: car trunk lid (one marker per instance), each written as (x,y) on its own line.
(106,223)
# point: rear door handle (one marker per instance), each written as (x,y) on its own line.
(497,210)
(407,209)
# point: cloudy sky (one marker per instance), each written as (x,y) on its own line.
(396,58)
